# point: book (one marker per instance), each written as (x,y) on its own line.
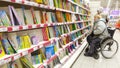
(15,20)
(68,17)
(46,2)
(21,14)
(2,52)
(12,39)
(53,17)
(37,57)
(49,17)
(56,3)
(4,66)
(23,41)
(33,16)
(49,51)
(25,62)
(45,34)
(4,20)
(51,3)
(15,64)
(39,1)
(29,18)
(38,16)
(8,46)
(43,19)
(51,32)
(59,16)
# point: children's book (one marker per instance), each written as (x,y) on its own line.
(25,62)
(33,16)
(15,20)
(2,52)
(38,16)
(56,3)
(4,20)
(15,64)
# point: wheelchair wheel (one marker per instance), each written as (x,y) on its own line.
(109,48)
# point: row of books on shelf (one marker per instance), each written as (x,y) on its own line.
(24,39)
(9,16)
(8,46)
(64,4)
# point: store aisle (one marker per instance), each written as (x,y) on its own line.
(89,62)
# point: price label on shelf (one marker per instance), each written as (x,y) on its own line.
(38,25)
(16,56)
(25,27)
(24,53)
(34,26)
(7,60)
(41,66)
(35,48)
(30,50)
(3,29)
(29,26)
(13,0)
(16,28)
(20,27)
(9,29)
(2,61)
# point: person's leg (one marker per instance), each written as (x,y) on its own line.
(92,48)
(89,39)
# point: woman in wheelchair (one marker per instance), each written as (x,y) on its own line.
(98,33)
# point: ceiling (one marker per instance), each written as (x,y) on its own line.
(110,3)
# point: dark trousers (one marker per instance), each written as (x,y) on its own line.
(93,43)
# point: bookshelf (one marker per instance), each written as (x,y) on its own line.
(42,33)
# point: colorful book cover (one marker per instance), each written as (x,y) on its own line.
(39,1)
(26,40)
(68,17)
(25,62)
(24,16)
(46,2)
(43,19)
(53,17)
(12,38)
(59,16)
(38,16)
(33,16)
(20,15)
(15,64)
(35,40)
(49,17)
(56,3)
(4,20)
(45,34)
(28,17)
(51,3)
(49,51)
(8,47)
(14,16)
(42,52)
(4,66)
(2,52)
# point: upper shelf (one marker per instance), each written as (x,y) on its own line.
(28,4)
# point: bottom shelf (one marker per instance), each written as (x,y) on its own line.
(67,61)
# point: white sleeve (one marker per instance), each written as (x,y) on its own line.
(100,27)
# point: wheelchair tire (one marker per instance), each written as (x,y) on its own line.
(86,50)
(96,56)
(105,45)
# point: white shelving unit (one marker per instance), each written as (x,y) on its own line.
(68,60)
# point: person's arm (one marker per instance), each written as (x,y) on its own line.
(99,28)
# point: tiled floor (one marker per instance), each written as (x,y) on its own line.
(89,62)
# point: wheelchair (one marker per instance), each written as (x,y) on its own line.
(108,47)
